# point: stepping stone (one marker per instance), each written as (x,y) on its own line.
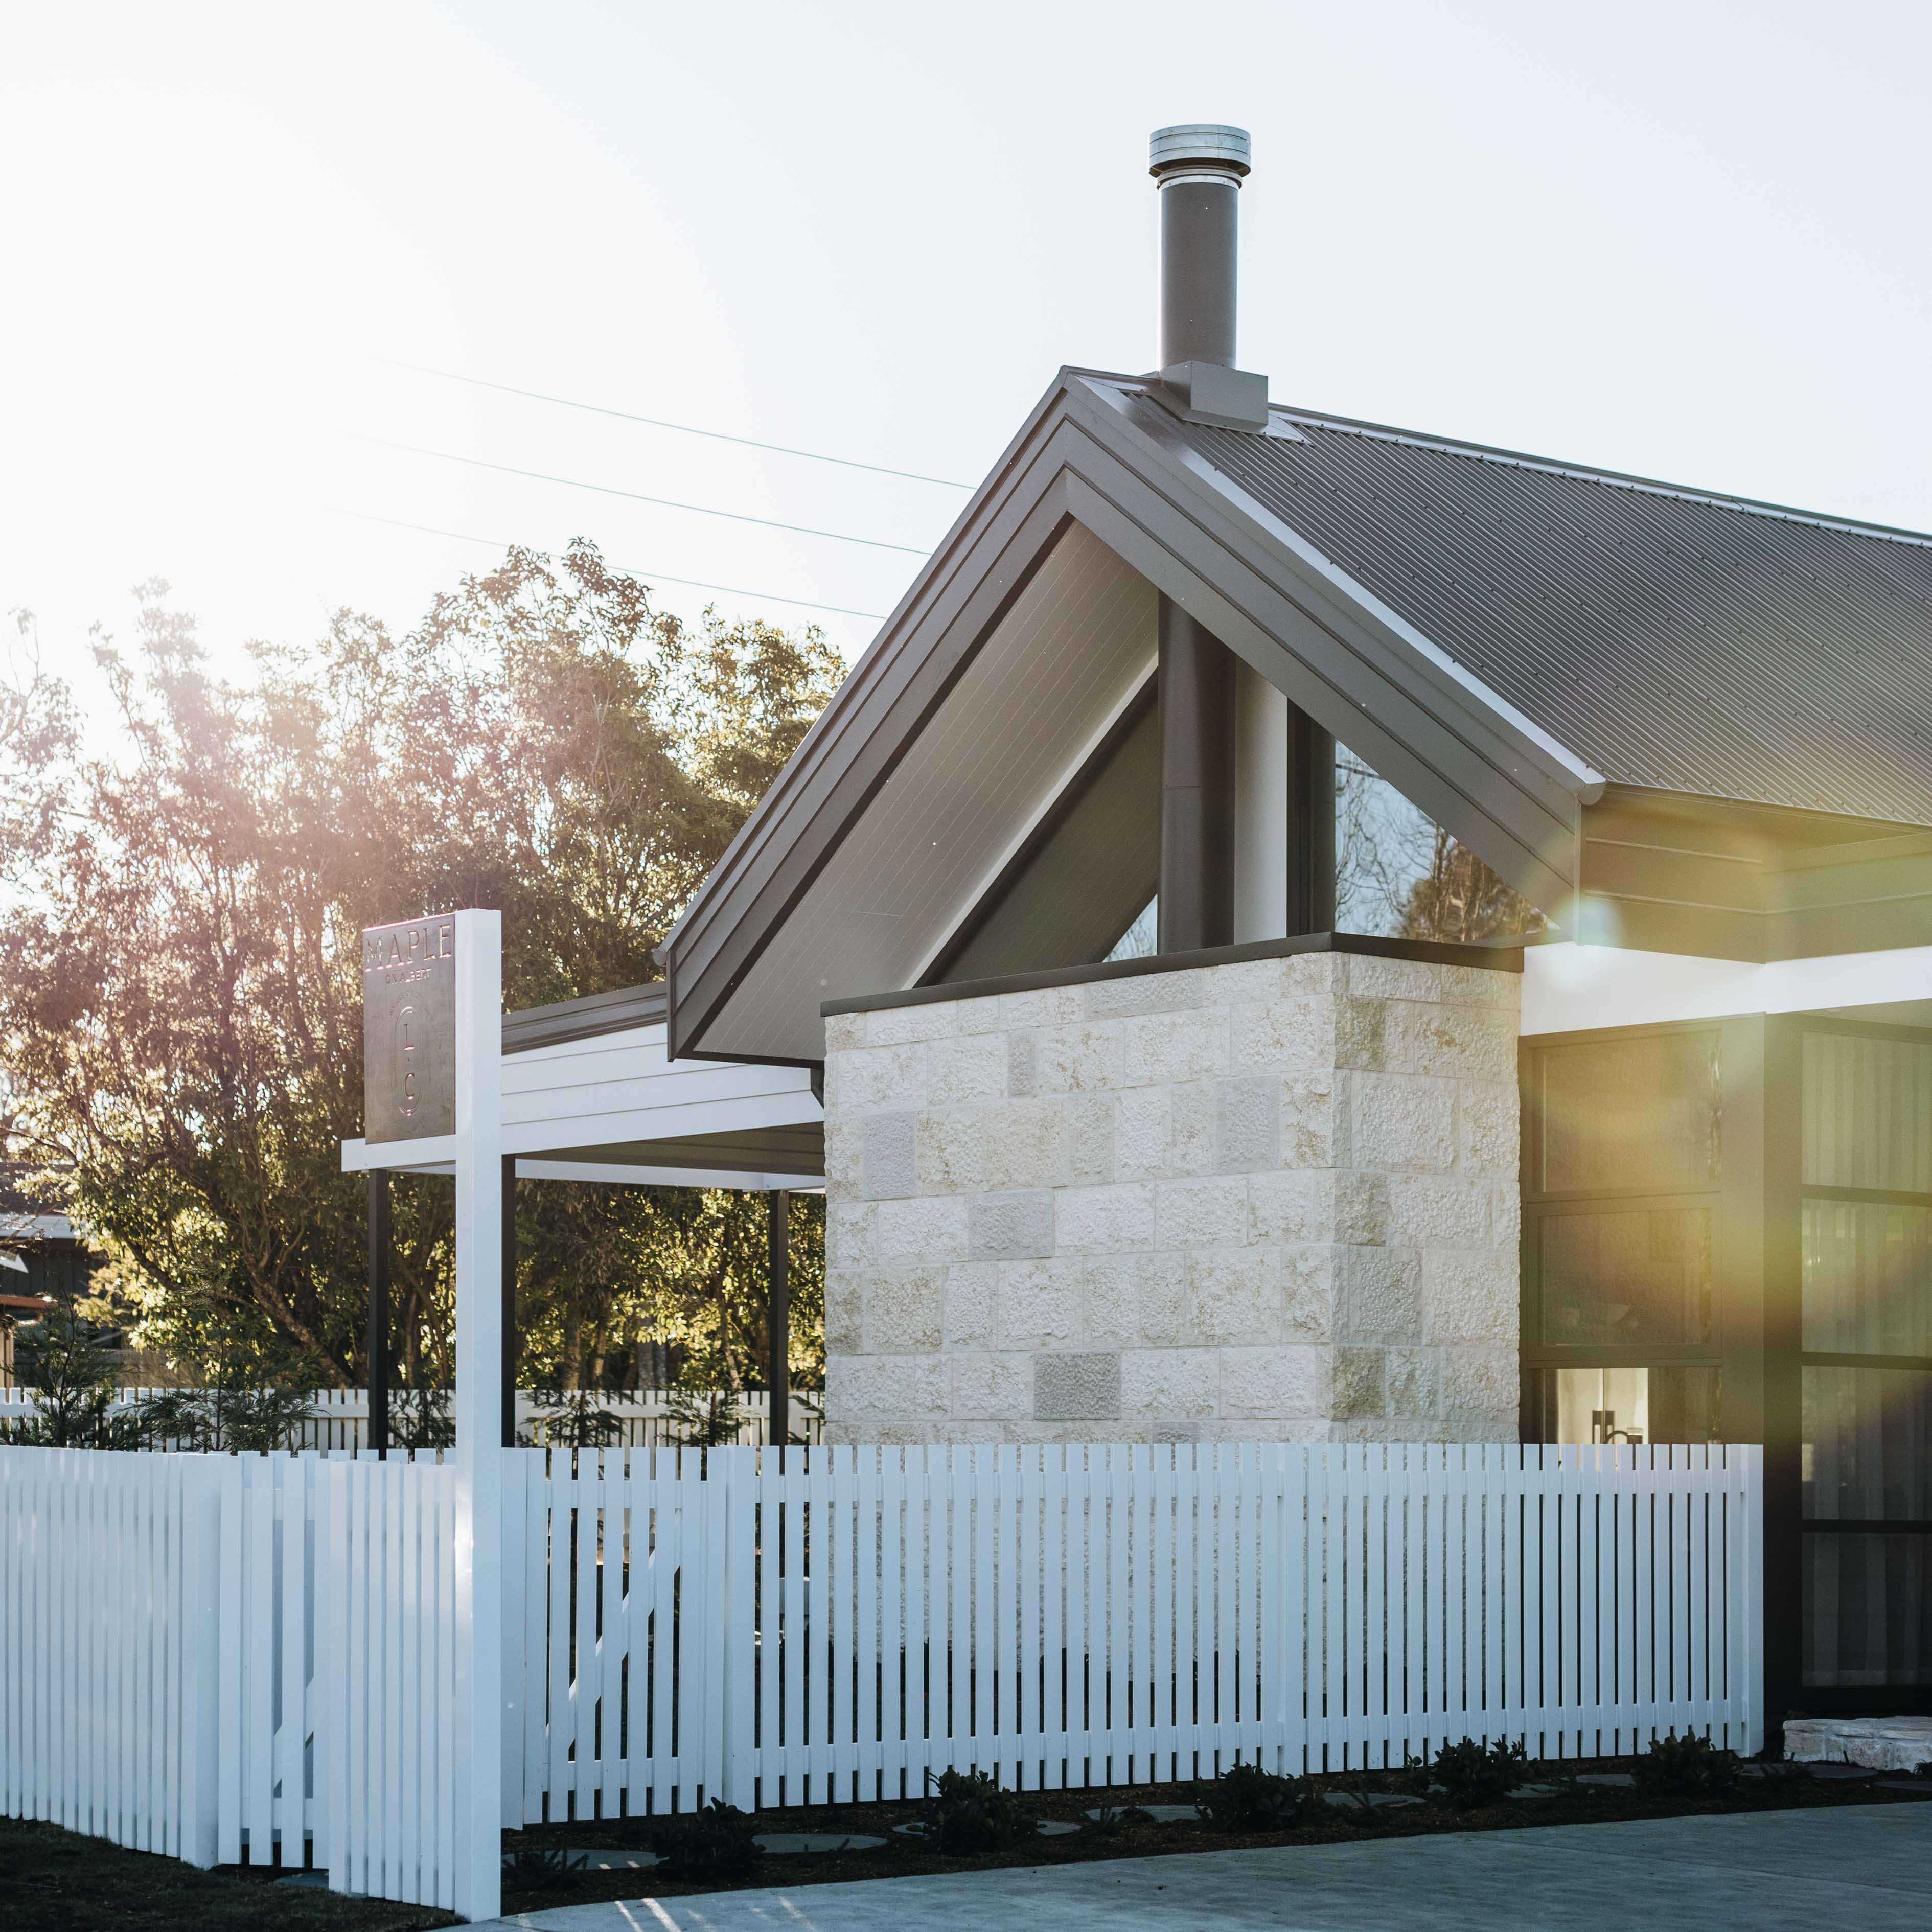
(316,1881)
(1536,1791)
(1838,1771)
(1161,1814)
(1351,1801)
(1049,1828)
(577,1858)
(789,1844)
(1919,1787)
(1622,1779)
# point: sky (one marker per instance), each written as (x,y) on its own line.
(1685,240)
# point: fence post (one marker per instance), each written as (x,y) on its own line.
(480,1343)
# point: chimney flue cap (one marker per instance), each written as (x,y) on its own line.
(1199,147)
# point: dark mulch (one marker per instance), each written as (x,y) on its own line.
(900,1857)
(51,1880)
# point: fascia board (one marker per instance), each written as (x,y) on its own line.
(1505,735)
(907,673)
(833,723)
(1348,681)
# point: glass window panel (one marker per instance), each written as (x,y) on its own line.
(1631,1113)
(1867,1113)
(1867,1610)
(1867,1279)
(1141,940)
(1399,875)
(1868,1444)
(1633,1276)
(1652,1405)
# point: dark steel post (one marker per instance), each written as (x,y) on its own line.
(509,1364)
(780,1233)
(1311,826)
(1196,684)
(378,1311)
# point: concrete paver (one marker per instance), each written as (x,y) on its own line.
(1789,1871)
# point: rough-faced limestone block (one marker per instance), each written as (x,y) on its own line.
(1009,1227)
(969,1066)
(905,1310)
(1884,1743)
(1170,1382)
(1038,1304)
(1247,1124)
(1291,1381)
(1076,1388)
(891,1145)
(1378,1294)
(1103,1220)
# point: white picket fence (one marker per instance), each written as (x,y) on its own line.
(197,1652)
(647,1417)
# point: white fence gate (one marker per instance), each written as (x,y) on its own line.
(201,1652)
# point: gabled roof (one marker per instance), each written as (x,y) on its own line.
(1498,636)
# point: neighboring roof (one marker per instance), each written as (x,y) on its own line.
(1677,639)
(1497,636)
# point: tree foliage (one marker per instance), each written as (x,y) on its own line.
(180,1009)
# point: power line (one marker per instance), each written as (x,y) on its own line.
(659,576)
(657,422)
(636,497)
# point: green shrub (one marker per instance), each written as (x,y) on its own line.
(719,1841)
(1245,1798)
(968,1812)
(541,1868)
(1471,1775)
(1689,1766)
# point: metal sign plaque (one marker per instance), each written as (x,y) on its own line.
(409,1029)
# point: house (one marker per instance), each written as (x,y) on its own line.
(1308,929)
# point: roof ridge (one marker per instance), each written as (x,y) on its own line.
(1586,473)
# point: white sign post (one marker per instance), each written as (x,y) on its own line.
(479,1414)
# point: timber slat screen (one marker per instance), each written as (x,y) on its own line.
(200,1654)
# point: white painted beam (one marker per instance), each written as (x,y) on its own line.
(1568,988)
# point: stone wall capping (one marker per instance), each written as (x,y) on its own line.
(1479,959)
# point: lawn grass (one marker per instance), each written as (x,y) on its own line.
(53,1880)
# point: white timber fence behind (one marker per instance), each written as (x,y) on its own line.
(200,1654)
(646,1418)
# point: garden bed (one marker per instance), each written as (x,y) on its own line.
(1570,1803)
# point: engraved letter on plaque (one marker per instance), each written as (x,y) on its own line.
(408,1030)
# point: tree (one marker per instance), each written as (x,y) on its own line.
(1459,899)
(179,995)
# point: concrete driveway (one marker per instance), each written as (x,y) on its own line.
(1867,1866)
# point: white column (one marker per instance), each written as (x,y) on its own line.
(479,1348)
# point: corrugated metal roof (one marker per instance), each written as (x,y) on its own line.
(1674,638)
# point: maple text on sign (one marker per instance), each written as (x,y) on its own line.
(409,1029)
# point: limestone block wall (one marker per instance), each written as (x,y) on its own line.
(1274,1198)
